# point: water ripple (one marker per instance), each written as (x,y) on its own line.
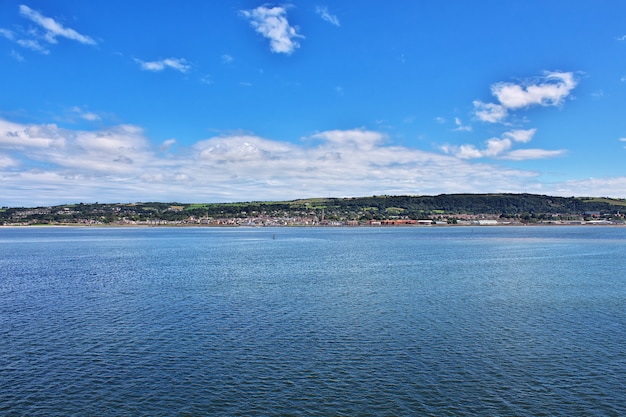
(323,322)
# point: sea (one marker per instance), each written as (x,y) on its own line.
(363,321)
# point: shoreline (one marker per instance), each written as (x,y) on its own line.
(234,226)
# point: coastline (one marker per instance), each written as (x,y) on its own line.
(304,226)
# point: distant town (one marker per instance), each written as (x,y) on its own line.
(441,210)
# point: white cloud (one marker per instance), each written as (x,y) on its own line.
(103,152)
(92,117)
(326,15)
(7,162)
(272,23)
(464,151)
(18,136)
(166,145)
(86,115)
(7,34)
(245,148)
(227,59)
(593,187)
(494,147)
(33,45)
(489,112)
(497,146)
(178,64)
(523,136)
(54,29)
(47,164)
(460,127)
(549,90)
(525,154)
(500,148)
(30,38)
(355,138)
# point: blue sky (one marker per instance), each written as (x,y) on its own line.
(195,101)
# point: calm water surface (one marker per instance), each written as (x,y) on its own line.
(500,321)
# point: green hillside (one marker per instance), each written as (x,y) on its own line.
(527,207)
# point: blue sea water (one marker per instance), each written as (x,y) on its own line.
(450,321)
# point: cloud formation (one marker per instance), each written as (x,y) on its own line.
(272,23)
(32,37)
(85,115)
(46,164)
(521,135)
(500,148)
(7,162)
(7,34)
(31,44)
(526,154)
(178,64)
(54,29)
(549,90)
(460,127)
(327,16)
(489,112)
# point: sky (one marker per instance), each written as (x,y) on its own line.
(234,101)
